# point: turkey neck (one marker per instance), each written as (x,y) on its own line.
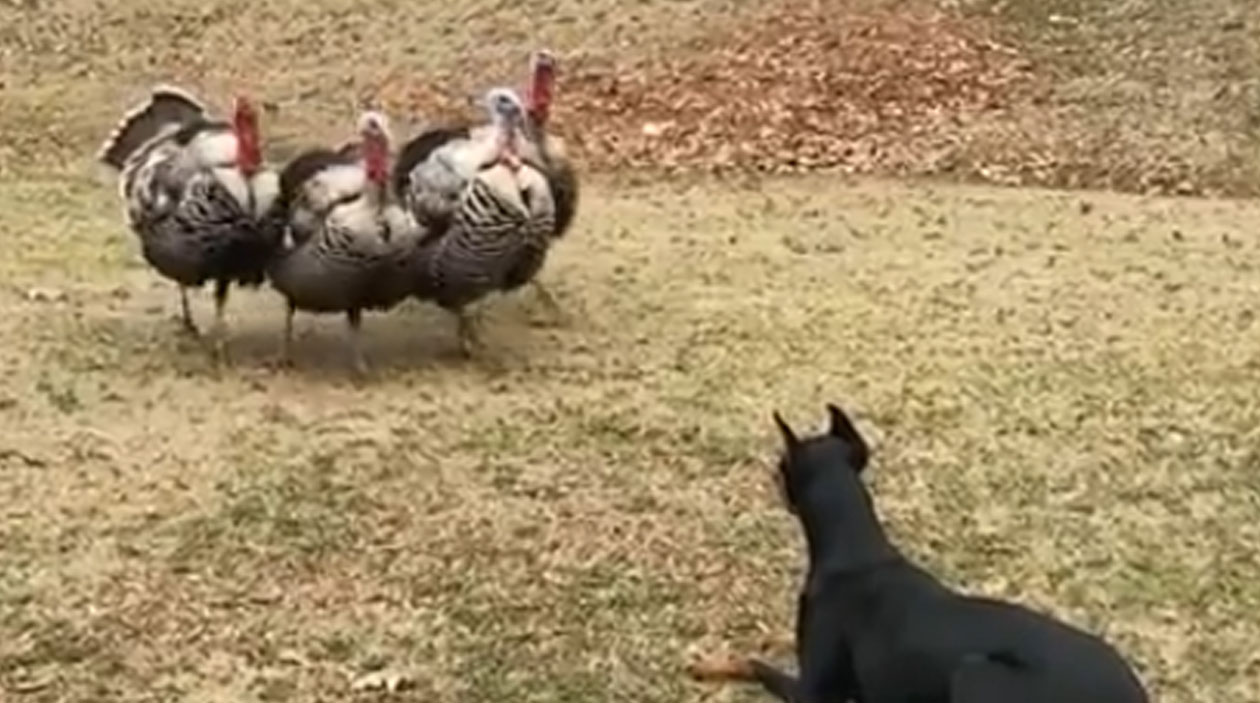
(377,194)
(507,138)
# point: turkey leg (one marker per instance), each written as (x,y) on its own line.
(549,301)
(189,326)
(220,320)
(469,339)
(286,345)
(355,320)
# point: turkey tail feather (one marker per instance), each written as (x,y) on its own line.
(305,165)
(166,105)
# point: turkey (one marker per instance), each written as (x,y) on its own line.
(347,247)
(194,188)
(502,222)
(548,151)
(434,169)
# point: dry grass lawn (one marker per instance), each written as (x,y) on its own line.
(1061,389)
(1149,96)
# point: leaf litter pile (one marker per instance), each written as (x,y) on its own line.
(904,90)
(796,87)
(803,89)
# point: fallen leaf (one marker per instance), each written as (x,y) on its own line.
(45,295)
(387,681)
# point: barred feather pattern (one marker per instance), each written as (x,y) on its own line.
(435,169)
(503,224)
(356,253)
(547,153)
(563,185)
(304,201)
(195,221)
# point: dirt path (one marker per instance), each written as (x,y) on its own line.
(1062,389)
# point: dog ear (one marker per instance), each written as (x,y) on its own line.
(842,427)
(789,437)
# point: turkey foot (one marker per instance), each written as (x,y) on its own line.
(219,333)
(721,667)
(729,667)
(558,315)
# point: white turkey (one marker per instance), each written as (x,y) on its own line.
(194,188)
(502,222)
(434,169)
(348,248)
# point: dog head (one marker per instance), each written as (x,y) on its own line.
(804,461)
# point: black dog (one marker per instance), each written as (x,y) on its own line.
(874,628)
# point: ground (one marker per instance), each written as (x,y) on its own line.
(1060,385)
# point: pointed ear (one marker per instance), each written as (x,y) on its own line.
(789,437)
(842,427)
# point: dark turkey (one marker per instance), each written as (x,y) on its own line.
(194,188)
(435,168)
(546,150)
(502,222)
(347,247)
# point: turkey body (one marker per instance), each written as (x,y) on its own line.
(196,221)
(545,154)
(191,197)
(434,169)
(346,249)
(488,225)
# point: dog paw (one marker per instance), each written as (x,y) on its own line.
(777,645)
(720,667)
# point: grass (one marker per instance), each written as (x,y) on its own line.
(1059,387)
(570,518)
(1149,95)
